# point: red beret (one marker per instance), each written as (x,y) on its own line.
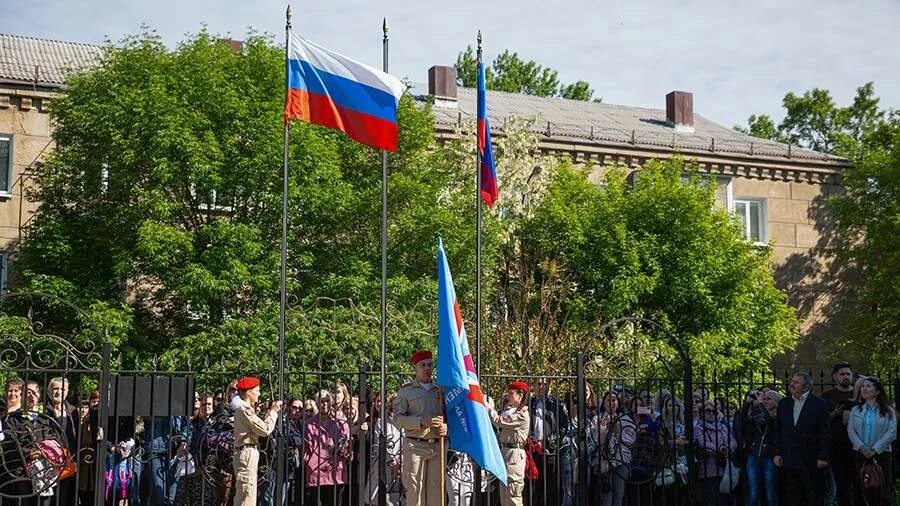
(246,383)
(518,385)
(420,356)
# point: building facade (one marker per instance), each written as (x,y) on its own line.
(32,73)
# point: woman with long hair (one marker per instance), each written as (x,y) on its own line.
(671,481)
(758,424)
(872,430)
(616,432)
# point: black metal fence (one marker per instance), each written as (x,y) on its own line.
(77,428)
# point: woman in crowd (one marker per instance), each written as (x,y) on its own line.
(327,453)
(872,430)
(672,478)
(757,426)
(392,438)
(616,433)
(66,416)
(714,445)
(646,451)
(513,423)
(568,459)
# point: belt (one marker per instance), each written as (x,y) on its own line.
(249,445)
(512,445)
(424,440)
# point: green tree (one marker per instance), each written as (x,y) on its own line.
(867,216)
(509,72)
(660,249)
(762,127)
(162,201)
(814,121)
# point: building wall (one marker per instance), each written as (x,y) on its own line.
(23,116)
(801,234)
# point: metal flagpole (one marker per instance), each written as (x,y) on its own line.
(382,439)
(282,437)
(476,468)
(478,248)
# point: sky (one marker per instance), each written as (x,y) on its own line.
(738,58)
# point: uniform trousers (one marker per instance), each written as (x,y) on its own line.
(421,472)
(246,461)
(511,494)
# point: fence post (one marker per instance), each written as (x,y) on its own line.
(689,423)
(363,439)
(99,443)
(582,431)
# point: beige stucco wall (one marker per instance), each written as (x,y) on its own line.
(29,125)
(800,232)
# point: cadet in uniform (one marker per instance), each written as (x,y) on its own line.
(248,428)
(418,410)
(513,422)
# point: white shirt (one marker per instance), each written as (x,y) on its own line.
(798,406)
(538,432)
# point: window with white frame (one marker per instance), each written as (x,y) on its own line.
(5,163)
(751,213)
(4,268)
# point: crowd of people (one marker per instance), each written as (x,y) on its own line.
(623,446)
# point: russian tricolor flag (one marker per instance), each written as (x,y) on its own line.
(468,424)
(489,190)
(331,90)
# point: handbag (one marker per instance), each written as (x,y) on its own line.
(871,475)
(665,477)
(730,478)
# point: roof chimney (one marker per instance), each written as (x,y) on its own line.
(680,110)
(236,45)
(442,85)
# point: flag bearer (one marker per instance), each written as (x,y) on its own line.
(418,410)
(513,423)
(248,428)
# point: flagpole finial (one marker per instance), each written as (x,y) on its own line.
(287,15)
(384,27)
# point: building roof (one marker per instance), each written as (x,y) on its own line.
(559,119)
(43,62)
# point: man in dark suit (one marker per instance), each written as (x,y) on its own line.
(548,415)
(800,443)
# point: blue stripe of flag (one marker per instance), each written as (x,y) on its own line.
(345,93)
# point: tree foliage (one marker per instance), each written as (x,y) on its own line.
(814,121)
(509,72)
(591,254)
(866,215)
